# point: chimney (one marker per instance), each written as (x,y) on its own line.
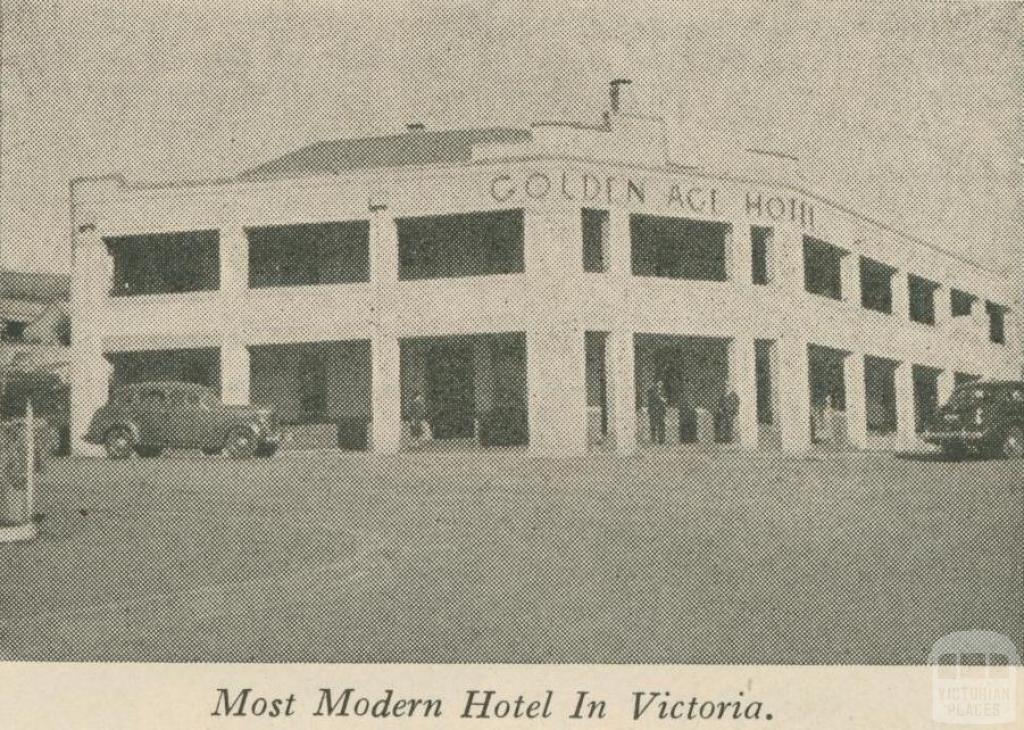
(415,127)
(623,98)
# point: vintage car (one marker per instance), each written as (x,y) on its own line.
(146,418)
(983,417)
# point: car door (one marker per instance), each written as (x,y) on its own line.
(190,419)
(152,416)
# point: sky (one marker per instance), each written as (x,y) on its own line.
(909,112)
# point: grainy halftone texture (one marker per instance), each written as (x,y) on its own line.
(672,556)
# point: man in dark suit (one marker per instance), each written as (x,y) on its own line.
(657,403)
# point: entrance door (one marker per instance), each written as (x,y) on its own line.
(450,397)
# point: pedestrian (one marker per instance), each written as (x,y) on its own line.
(419,429)
(728,408)
(657,404)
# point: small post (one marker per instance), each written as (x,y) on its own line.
(30,460)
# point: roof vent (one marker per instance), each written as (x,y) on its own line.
(623,99)
(415,127)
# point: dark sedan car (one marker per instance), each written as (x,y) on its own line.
(982,417)
(146,418)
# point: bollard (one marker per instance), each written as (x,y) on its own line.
(30,460)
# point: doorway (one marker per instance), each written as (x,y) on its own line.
(449,389)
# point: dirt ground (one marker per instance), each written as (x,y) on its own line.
(671,556)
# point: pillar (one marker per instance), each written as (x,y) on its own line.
(741,254)
(385,352)
(946,383)
(856,400)
(555,340)
(788,245)
(234,372)
(234,283)
(743,382)
(941,298)
(620,249)
(92,278)
(906,434)
(385,395)
(849,266)
(620,376)
(900,295)
(790,365)
(556,392)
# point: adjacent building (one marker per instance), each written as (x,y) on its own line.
(532,284)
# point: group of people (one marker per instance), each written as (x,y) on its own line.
(727,409)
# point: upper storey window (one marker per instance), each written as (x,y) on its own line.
(823,268)
(165,263)
(465,244)
(996,322)
(678,248)
(876,285)
(313,253)
(922,299)
(961,303)
(761,254)
(595,226)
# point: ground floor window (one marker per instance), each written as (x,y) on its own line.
(198,365)
(319,390)
(468,388)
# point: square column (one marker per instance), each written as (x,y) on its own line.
(849,270)
(789,257)
(235,372)
(906,433)
(620,375)
(92,279)
(620,247)
(385,395)
(856,400)
(740,251)
(234,260)
(946,382)
(556,392)
(790,363)
(900,295)
(743,382)
(943,306)
(385,352)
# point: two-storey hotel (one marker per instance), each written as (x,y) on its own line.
(531,284)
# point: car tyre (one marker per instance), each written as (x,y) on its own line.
(1013,443)
(240,444)
(119,443)
(265,451)
(149,452)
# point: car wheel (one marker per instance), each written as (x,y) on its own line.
(119,443)
(240,444)
(1013,444)
(954,452)
(265,451)
(149,452)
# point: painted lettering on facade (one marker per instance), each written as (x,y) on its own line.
(580,187)
(778,208)
(612,190)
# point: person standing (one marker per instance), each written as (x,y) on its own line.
(657,404)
